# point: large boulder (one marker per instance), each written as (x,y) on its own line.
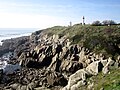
(70,66)
(94,67)
(108,65)
(77,78)
(55,79)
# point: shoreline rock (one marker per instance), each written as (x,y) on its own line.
(52,62)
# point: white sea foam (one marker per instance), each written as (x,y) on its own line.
(8,34)
(8,68)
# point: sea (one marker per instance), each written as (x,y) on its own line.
(8,33)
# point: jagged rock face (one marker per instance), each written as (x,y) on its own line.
(13,44)
(56,56)
(52,61)
(70,66)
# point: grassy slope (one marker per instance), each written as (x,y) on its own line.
(108,82)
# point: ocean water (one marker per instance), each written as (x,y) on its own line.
(8,33)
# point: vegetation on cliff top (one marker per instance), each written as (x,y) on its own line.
(99,39)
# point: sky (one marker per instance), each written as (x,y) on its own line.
(47,13)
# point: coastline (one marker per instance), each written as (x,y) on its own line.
(50,60)
(10,33)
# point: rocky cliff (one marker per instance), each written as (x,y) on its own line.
(52,61)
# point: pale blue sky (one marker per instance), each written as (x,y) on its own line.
(47,13)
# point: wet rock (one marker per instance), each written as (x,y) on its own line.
(11,69)
(1,75)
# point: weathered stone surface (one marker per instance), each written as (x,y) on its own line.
(54,78)
(70,66)
(104,62)
(23,87)
(94,67)
(78,85)
(110,62)
(53,64)
(41,57)
(14,86)
(88,61)
(41,88)
(32,85)
(77,77)
(105,70)
(82,55)
(108,65)
(90,86)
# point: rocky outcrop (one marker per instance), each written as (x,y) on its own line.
(63,62)
(11,44)
(55,79)
(108,65)
(52,62)
(77,79)
(94,68)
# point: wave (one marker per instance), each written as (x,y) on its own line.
(13,35)
(7,35)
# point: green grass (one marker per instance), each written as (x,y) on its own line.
(108,82)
